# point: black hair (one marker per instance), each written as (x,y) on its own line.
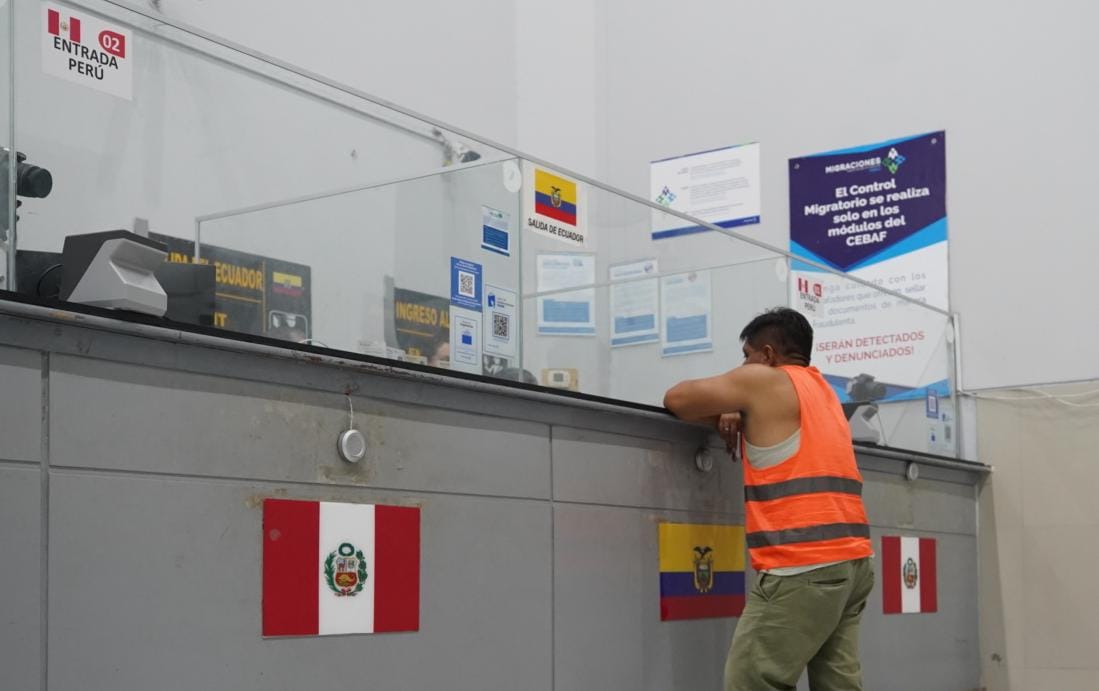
(784,329)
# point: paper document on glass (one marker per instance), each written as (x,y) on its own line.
(686,326)
(568,313)
(635,303)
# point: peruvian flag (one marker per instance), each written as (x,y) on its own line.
(55,23)
(331,568)
(908,575)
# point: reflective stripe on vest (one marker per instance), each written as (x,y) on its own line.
(802,485)
(814,533)
(801,510)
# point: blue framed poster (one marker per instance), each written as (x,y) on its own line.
(878,213)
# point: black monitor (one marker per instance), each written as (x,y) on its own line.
(190,289)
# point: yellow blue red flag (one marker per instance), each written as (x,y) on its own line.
(554,197)
(701,571)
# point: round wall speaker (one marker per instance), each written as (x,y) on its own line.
(352,445)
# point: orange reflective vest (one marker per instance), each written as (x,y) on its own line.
(808,509)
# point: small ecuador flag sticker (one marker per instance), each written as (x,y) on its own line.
(554,197)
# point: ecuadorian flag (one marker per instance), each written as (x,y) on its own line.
(701,571)
(554,197)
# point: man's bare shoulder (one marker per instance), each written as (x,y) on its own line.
(768,386)
(758,374)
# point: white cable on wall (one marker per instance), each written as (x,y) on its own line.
(1039,396)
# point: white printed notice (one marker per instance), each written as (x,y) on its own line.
(569,313)
(686,326)
(465,340)
(494,231)
(80,48)
(719,187)
(635,303)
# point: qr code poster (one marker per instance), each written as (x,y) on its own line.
(465,284)
(500,322)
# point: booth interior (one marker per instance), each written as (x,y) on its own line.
(215,265)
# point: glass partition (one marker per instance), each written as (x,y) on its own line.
(9,164)
(660,310)
(186,126)
(374,261)
(296,209)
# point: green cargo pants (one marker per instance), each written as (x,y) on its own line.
(793,622)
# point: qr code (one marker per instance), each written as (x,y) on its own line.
(465,285)
(501,325)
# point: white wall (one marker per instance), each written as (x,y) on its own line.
(558,74)
(454,61)
(1012,84)
(1038,518)
(520,73)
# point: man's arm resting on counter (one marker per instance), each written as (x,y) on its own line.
(704,400)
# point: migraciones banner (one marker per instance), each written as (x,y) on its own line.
(878,213)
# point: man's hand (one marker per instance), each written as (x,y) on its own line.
(728,428)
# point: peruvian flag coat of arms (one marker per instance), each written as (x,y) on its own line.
(338,568)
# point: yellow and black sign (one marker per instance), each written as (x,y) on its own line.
(422,323)
(254,294)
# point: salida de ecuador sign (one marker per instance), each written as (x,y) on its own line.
(80,48)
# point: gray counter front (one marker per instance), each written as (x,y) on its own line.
(134,462)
